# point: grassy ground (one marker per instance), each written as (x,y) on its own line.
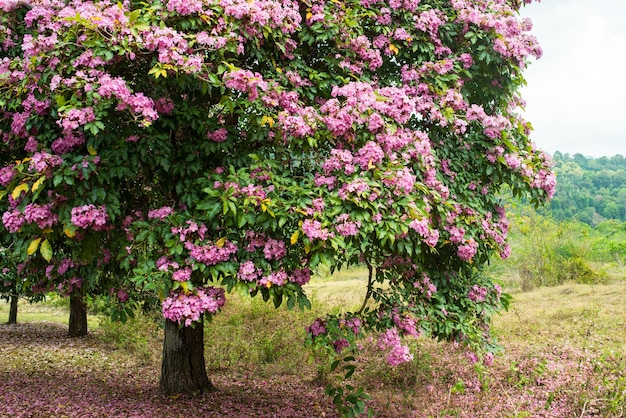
(565,356)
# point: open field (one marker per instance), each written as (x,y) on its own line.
(565,356)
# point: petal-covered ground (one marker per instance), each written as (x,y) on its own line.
(565,356)
(44,373)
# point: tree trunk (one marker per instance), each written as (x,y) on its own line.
(183,369)
(13,310)
(78,316)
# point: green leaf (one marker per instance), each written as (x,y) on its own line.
(46,250)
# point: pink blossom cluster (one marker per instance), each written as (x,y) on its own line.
(313,230)
(219,135)
(339,160)
(277,14)
(172,48)
(164,264)
(190,231)
(423,228)
(400,181)
(477,293)
(425,286)
(256,193)
(68,141)
(398,353)
(7,173)
(90,216)
(318,327)
(66,287)
(274,249)
(468,250)
(182,275)
(43,162)
(40,214)
(345,227)
(301,276)
(164,105)
(185,7)
(74,118)
(245,81)
(363,104)
(13,220)
(212,254)
(513,37)
(248,271)
(277,278)
(160,213)
(406,324)
(137,103)
(355,189)
(187,308)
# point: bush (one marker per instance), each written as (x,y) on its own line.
(550,253)
(138,336)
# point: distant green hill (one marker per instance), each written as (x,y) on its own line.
(591,190)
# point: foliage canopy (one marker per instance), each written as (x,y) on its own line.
(174,149)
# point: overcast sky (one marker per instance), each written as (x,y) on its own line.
(576,93)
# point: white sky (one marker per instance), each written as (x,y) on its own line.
(576,93)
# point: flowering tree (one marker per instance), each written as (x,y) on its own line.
(184,149)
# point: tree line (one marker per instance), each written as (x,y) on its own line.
(590,190)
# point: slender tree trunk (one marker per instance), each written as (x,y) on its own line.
(13,310)
(183,369)
(78,316)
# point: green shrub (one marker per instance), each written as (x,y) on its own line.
(138,336)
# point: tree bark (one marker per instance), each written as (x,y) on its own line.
(78,316)
(183,370)
(13,310)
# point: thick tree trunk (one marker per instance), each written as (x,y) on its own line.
(78,316)
(183,369)
(13,310)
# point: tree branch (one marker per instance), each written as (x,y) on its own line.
(370,278)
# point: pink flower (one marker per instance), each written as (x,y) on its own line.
(248,272)
(313,229)
(6,175)
(13,220)
(274,250)
(122,295)
(467,251)
(220,135)
(90,216)
(370,155)
(182,275)
(188,308)
(161,213)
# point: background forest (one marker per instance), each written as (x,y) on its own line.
(579,237)
(590,190)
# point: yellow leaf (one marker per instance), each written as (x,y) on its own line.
(18,190)
(393,48)
(70,232)
(309,15)
(32,247)
(46,250)
(267,120)
(91,150)
(38,184)
(295,236)
(220,242)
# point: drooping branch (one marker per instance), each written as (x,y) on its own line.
(370,283)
